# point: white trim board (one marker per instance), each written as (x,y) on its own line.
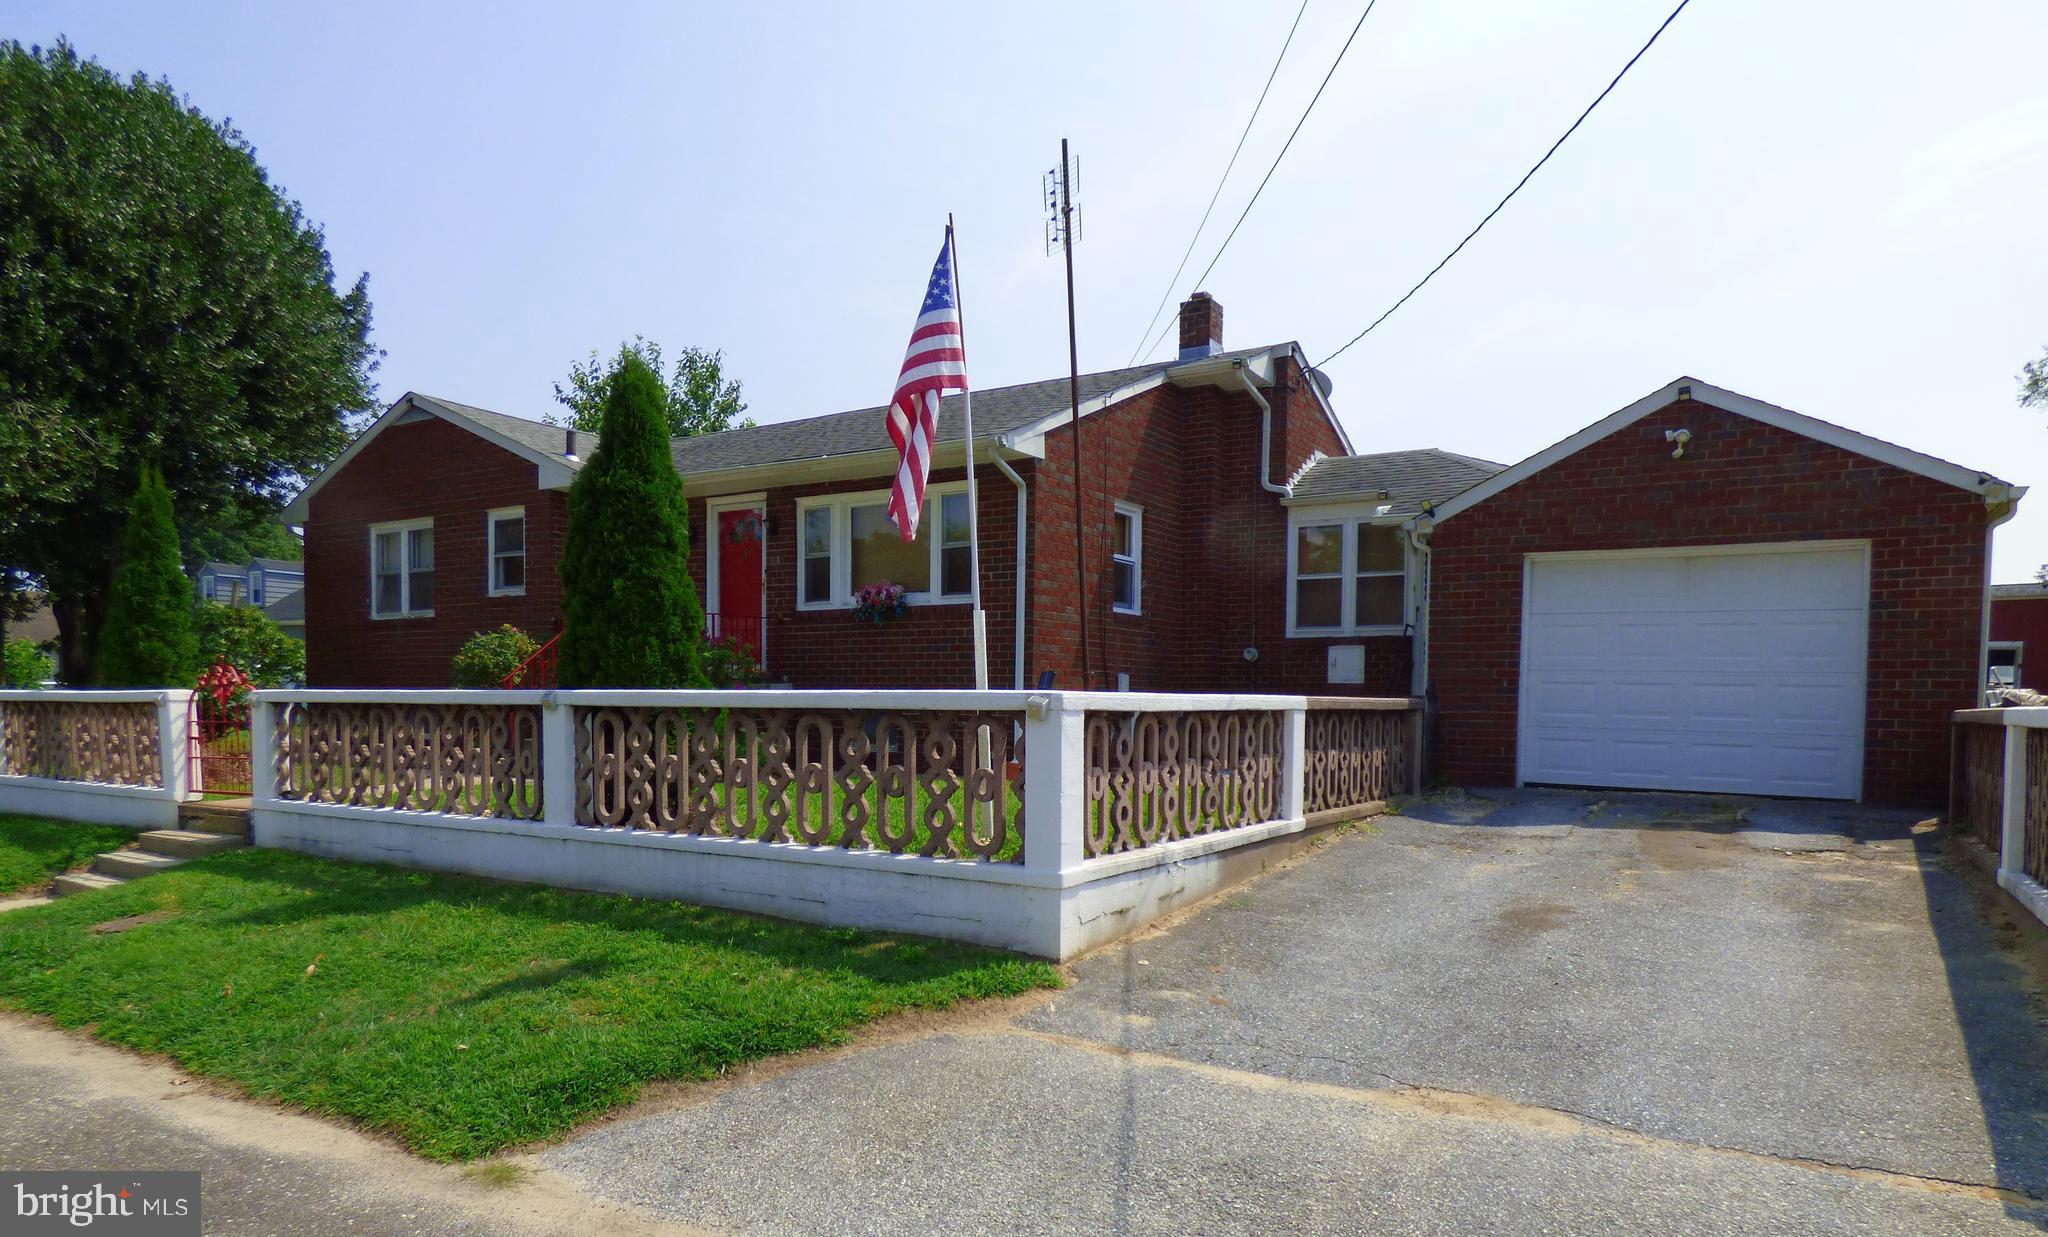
(1905,459)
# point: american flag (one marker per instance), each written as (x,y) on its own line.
(934,364)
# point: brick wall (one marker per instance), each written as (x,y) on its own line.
(929,647)
(1740,482)
(427,468)
(1215,547)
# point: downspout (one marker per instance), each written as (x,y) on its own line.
(2011,499)
(1265,481)
(1418,670)
(1265,432)
(1023,515)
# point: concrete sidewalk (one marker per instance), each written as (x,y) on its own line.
(1533,1013)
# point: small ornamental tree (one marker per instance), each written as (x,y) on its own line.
(486,658)
(26,665)
(630,612)
(148,640)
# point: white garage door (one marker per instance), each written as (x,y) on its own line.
(1730,670)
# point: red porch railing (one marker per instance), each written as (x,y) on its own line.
(749,630)
(538,670)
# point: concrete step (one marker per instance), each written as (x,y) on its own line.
(188,843)
(128,864)
(227,816)
(83,882)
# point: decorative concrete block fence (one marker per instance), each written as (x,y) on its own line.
(113,757)
(1998,795)
(1044,822)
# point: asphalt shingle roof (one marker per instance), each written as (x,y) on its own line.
(996,410)
(2030,589)
(1407,478)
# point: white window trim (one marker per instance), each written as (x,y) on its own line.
(843,583)
(405,573)
(1351,519)
(1136,558)
(491,519)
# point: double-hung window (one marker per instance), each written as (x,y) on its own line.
(256,588)
(848,541)
(1346,577)
(1127,557)
(402,569)
(507,530)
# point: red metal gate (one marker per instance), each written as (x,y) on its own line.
(220,732)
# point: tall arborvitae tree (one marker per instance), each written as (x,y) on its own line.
(149,639)
(630,612)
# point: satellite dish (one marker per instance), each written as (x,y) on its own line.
(1322,381)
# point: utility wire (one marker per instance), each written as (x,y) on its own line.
(1167,295)
(1276,163)
(1512,192)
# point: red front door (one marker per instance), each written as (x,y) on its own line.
(736,609)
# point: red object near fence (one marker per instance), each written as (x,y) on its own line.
(220,731)
(538,670)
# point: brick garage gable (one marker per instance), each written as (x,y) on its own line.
(1741,481)
(414,470)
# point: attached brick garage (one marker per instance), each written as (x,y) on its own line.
(1781,607)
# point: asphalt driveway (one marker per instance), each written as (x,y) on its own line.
(1530,1012)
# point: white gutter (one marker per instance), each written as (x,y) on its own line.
(1023,515)
(1265,433)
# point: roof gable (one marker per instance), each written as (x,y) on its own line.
(1902,458)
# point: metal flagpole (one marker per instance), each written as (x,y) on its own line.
(980,619)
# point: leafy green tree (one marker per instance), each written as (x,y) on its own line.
(149,619)
(697,398)
(486,658)
(160,298)
(25,664)
(252,641)
(630,612)
(240,533)
(2033,383)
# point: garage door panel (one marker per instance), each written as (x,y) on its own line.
(1733,671)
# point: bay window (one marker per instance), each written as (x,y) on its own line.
(848,541)
(1346,577)
(402,569)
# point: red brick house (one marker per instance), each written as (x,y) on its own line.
(1699,592)
(2019,622)
(443,519)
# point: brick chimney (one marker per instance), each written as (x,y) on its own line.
(1201,327)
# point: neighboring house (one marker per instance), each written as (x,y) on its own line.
(2019,621)
(260,582)
(225,583)
(1770,604)
(289,613)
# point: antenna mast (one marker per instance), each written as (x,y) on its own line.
(1062,229)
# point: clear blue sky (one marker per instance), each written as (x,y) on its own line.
(1837,208)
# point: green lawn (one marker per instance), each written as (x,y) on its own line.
(33,849)
(460,1015)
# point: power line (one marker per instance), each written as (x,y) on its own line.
(1276,161)
(1512,192)
(1167,295)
